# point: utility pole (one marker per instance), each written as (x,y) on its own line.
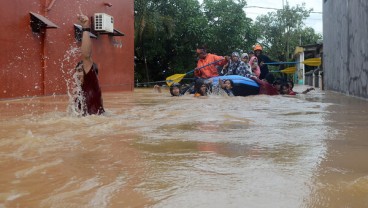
(286,30)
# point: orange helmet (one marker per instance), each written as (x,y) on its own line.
(257,47)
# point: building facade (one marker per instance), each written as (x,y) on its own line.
(345,42)
(39,46)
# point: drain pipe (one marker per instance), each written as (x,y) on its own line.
(43,60)
(50,5)
(44,50)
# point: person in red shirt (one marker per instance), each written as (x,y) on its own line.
(266,86)
(205,59)
(287,89)
(88,97)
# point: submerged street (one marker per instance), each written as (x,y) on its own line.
(153,150)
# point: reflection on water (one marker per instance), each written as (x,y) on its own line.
(153,150)
(342,177)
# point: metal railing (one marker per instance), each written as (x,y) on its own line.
(314,78)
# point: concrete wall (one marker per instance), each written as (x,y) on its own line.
(34,64)
(345,39)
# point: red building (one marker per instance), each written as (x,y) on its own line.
(39,46)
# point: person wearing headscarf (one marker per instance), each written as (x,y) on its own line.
(245,58)
(237,66)
(262,60)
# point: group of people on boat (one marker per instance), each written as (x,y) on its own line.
(87,96)
(246,64)
(252,65)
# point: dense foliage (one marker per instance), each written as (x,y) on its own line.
(168,31)
(283,30)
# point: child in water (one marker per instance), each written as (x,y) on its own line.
(201,88)
(176,89)
(266,86)
(287,89)
(227,86)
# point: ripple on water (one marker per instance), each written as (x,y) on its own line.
(182,152)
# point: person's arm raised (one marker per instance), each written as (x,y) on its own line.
(86,47)
(221,83)
(307,90)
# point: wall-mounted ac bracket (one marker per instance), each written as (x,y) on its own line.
(78,32)
(115,33)
(103,24)
(38,22)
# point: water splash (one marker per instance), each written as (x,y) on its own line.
(73,83)
(76,98)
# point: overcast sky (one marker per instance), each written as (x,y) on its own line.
(314,21)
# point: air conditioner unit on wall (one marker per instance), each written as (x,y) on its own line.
(103,23)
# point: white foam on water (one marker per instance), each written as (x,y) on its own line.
(106,192)
(15,196)
(36,169)
(62,197)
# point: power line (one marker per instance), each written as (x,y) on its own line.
(260,7)
(260,13)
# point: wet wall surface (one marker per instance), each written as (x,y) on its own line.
(345,47)
(42,63)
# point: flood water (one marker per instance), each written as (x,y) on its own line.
(153,150)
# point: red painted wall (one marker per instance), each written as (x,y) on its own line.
(32,64)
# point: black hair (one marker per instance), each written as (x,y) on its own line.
(291,83)
(172,88)
(231,82)
(278,81)
(202,47)
(78,66)
(270,78)
(282,86)
(198,84)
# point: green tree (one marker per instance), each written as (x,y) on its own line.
(167,33)
(149,24)
(228,27)
(283,30)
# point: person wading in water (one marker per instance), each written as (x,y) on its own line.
(88,100)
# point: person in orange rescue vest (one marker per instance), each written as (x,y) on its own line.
(207,58)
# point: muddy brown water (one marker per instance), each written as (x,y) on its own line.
(153,150)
